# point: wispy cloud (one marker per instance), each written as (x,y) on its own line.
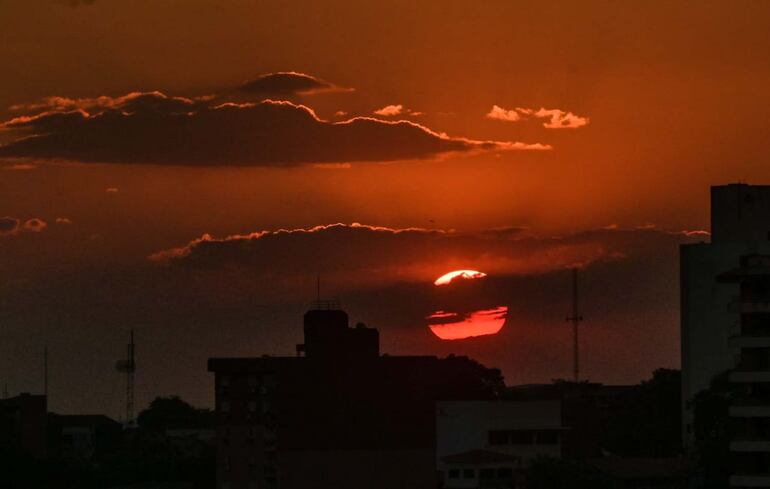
(10,226)
(556,118)
(394,110)
(502,114)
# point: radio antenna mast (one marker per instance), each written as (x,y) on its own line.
(130,382)
(128,367)
(575,319)
(45,371)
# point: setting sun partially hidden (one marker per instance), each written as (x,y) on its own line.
(464,274)
(463,308)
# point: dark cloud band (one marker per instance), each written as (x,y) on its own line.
(152,128)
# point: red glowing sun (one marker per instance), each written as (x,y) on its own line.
(463,310)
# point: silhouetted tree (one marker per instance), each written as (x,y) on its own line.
(648,422)
(172,412)
(710,427)
(486,382)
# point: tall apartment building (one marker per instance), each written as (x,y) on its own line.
(740,225)
(338,414)
(750,409)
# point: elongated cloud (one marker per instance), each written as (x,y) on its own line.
(285,83)
(130,103)
(556,118)
(358,253)
(154,128)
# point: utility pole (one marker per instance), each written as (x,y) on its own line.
(575,319)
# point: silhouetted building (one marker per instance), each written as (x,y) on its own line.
(23,425)
(740,224)
(83,436)
(490,443)
(340,416)
(750,412)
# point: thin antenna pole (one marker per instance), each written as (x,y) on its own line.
(45,371)
(575,320)
(318,287)
(131,367)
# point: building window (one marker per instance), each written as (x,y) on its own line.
(547,438)
(224,406)
(469,473)
(520,438)
(504,473)
(498,437)
(454,473)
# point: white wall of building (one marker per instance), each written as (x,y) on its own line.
(462,426)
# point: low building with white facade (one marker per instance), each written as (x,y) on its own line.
(489,443)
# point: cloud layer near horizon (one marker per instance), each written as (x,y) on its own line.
(359,253)
(154,128)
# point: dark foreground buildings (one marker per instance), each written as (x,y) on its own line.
(338,414)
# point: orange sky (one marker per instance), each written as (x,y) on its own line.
(674,95)
(669,97)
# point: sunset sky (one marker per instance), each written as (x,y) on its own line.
(188,167)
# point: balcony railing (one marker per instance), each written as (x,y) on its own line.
(747,480)
(749,341)
(748,304)
(747,409)
(747,444)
